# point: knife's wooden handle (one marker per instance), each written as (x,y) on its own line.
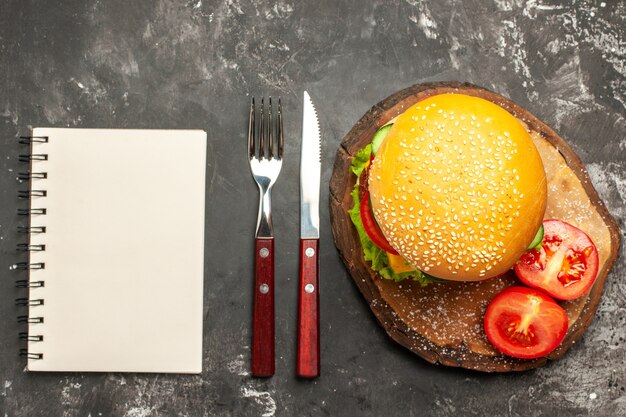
(308,359)
(263,316)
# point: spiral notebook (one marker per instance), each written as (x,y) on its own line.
(116,250)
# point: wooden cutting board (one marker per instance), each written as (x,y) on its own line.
(443,322)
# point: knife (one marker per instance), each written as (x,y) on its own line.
(308,355)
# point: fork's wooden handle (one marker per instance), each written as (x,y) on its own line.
(263,316)
(308,361)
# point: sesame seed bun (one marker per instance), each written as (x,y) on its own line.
(458,187)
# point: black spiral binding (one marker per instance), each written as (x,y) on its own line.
(28,194)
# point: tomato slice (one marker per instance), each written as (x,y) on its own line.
(566,264)
(371,227)
(525,323)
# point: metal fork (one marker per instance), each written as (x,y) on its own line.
(265,164)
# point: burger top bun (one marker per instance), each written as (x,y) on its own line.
(458,187)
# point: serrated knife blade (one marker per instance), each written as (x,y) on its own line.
(310,172)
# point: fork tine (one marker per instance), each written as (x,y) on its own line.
(262,132)
(281,138)
(270,130)
(251,130)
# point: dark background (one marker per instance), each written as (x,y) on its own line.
(194,64)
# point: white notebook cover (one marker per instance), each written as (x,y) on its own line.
(124,250)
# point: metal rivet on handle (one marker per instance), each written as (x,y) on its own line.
(309,288)
(264,252)
(309,252)
(264,288)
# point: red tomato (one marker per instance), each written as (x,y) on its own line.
(525,323)
(371,227)
(565,266)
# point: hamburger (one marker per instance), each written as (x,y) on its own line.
(456,187)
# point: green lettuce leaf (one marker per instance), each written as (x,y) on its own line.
(371,252)
(360,160)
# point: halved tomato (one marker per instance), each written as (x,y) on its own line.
(566,264)
(371,227)
(525,323)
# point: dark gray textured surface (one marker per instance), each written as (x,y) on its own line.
(192,64)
